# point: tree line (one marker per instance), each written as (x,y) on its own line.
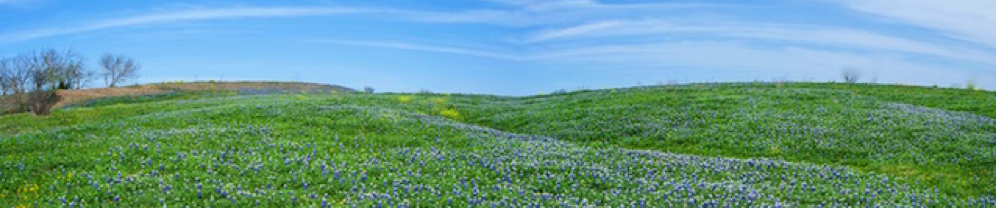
(29,81)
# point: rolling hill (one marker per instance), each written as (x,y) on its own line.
(711,145)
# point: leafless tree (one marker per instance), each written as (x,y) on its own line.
(52,70)
(4,73)
(851,75)
(64,68)
(14,77)
(5,87)
(118,69)
(14,74)
(29,81)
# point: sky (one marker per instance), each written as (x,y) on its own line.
(521,47)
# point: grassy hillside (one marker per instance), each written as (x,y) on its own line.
(884,129)
(159,91)
(688,145)
(77,101)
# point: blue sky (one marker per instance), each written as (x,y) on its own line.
(521,47)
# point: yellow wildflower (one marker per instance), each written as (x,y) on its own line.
(450,113)
(404,98)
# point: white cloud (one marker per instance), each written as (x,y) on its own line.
(427,48)
(512,2)
(800,34)
(732,45)
(546,4)
(180,16)
(734,57)
(532,13)
(13,2)
(969,20)
(527,13)
(717,56)
(580,30)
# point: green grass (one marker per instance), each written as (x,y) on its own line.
(741,144)
(861,126)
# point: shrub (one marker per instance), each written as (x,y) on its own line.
(970,85)
(404,98)
(851,75)
(450,113)
(42,101)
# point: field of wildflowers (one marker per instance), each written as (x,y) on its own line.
(717,145)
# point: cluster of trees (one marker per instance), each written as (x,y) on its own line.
(28,81)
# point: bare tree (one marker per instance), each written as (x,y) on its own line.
(4,73)
(118,69)
(851,75)
(29,81)
(13,74)
(64,68)
(52,70)
(14,77)
(5,88)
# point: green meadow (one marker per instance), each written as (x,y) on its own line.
(694,145)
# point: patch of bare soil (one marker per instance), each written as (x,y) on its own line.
(77,96)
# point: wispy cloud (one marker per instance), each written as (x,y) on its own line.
(427,48)
(591,5)
(532,13)
(969,20)
(580,30)
(529,13)
(731,58)
(798,34)
(592,34)
(181,16)
(702,55)
(680,53)
(13,2)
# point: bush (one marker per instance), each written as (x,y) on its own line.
(851,76)
(970,85)
(42,102)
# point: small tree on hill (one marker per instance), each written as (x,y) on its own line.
(971,85)
(118,69)
(5,88)
(14,77)
(4,77)
(851,75)
(29,81)
(52,70)
(65,68)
